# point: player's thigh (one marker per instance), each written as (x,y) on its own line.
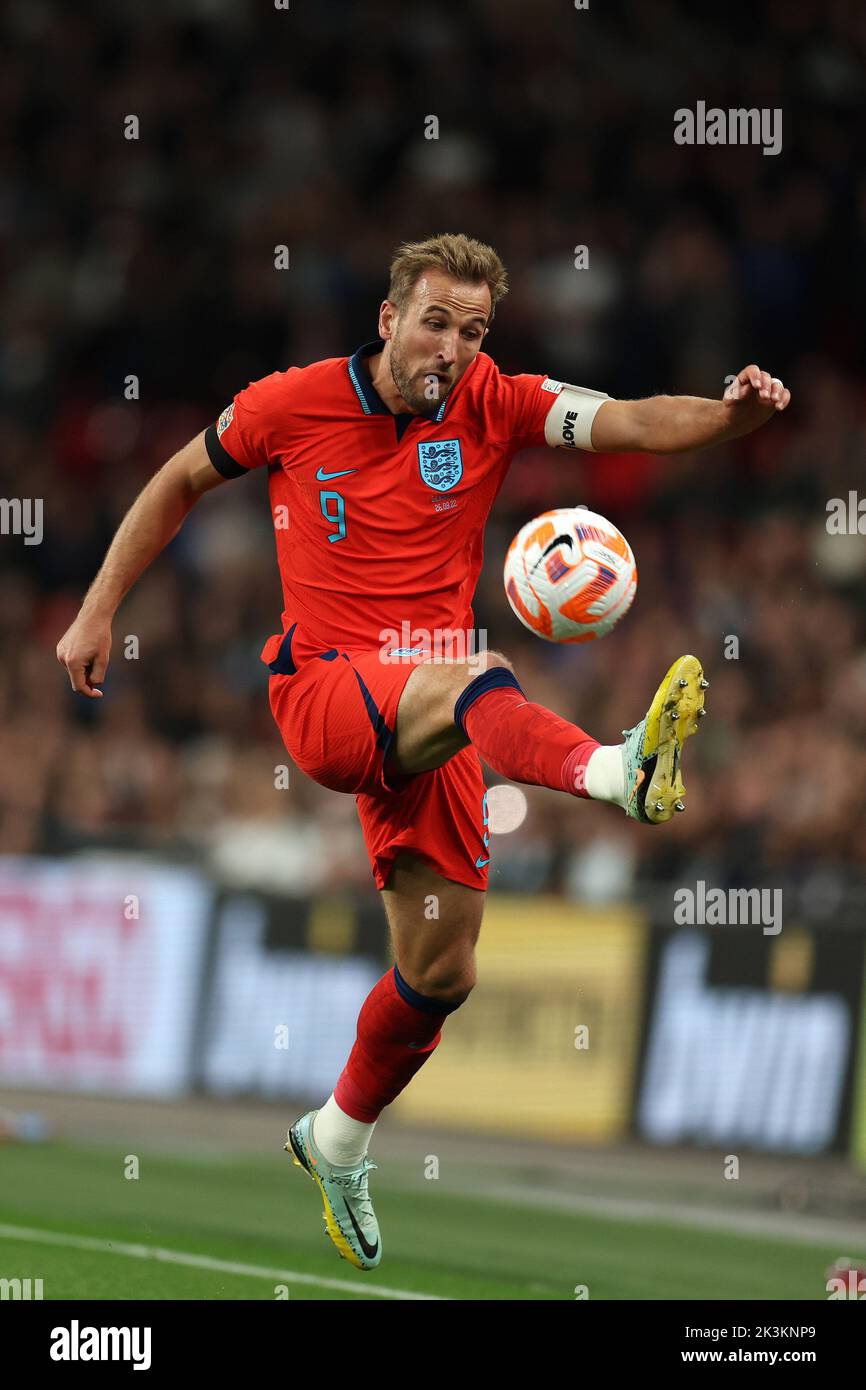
(434,926)
(426,735)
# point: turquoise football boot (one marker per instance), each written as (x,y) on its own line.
(349,1217)
(654,747)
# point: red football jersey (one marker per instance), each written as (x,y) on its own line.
(378,517)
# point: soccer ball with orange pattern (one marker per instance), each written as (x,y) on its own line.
(570,575)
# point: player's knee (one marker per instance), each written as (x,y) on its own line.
(463,692)
(449,983)
(491,659)
(469,671)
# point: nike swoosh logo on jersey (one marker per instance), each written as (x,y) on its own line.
(479,862)
(323,477)
(368,1249)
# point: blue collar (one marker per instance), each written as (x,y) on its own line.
(371,401)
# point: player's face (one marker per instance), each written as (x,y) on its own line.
(436,336)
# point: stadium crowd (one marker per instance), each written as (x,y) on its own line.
(139,293)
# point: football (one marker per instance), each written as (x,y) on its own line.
(570,575)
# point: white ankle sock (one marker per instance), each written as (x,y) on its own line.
(342,1140)
(604,775)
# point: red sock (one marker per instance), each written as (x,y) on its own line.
(395,1038)
(522,740)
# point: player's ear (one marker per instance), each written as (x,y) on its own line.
(387,316)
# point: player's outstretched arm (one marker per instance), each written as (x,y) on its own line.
(672,424)
(153,519)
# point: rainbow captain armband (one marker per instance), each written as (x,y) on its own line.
(569,421)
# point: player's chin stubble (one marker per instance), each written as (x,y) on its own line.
(414,396)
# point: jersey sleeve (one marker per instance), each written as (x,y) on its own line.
(527,399)
(249,432)
(554,413)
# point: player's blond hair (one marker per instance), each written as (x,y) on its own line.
(457,255)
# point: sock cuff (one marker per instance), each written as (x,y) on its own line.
(421,1002)
(488,680)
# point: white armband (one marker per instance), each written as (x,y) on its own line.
(569,420)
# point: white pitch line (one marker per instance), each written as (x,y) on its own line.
(180,1257)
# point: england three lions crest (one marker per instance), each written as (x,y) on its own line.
(441,463)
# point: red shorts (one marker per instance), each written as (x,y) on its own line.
(337,713)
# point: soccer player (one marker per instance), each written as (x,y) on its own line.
(383,469)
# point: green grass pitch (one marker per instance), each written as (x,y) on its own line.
(239,1228)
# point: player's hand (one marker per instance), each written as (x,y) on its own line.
(84,649)
(753,396)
